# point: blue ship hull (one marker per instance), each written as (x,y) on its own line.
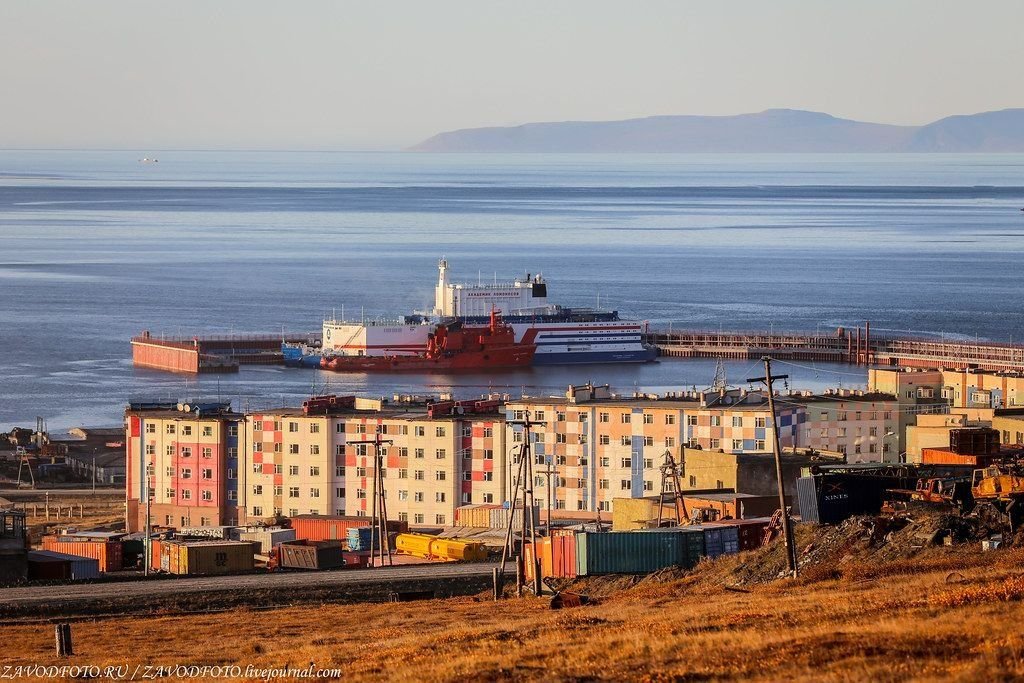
(299,357)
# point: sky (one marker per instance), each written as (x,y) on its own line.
(334,75)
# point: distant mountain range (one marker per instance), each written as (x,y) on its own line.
(774,130)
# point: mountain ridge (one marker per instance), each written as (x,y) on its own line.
(770,131)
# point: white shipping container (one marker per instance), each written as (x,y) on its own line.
(267,538)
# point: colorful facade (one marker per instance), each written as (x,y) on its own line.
(190,461)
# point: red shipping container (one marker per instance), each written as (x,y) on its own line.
(946,456)
(335,528)
(563,555)
(356,560)
(108,554)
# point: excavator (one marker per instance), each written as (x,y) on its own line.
(1002,489)
(932,492)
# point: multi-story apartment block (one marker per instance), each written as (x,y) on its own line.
(862,426)
(189,454)
(435,458)
(917,391)
(601,447)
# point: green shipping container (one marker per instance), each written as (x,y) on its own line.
(639,552)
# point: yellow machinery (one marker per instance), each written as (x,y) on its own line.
(434,548)
(1000,489)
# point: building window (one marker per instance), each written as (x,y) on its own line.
(278,447)
(440,454)
(648,419)
(186,473)
(626,484)
(759,422)
(186,452)
(339,471)
(207,452)
(293,448)
(716,443)
(314,471)
(314,449)
(257,447)
(418,475)
(403,473)
(233,430)
(207,430)
(314,428)
(361,494)
(693,481)
(439,431)
(169,493)
(670,442)
(293,491)
(606,462)
(648,440)
(737,421)
(257,490)
(626,418)
(231,473)
(403,495)
(648,485)
(691,420)
(186,494)
(278,489)
(602,417)
(439,497)
(339,493)
(670,419)
(716,420)
(440,475)
(759,444)
(627,440)
(314,493)
(737,444)
(418,496)
(841,416)
(150,428)
(257,511)
(207,473)
(293,470)
(360,471)
(150,449)
(627,463)
(417,519)
(170,428)
(418,453)
(604,440)
(207,495)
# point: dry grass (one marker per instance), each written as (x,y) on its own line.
(954,617)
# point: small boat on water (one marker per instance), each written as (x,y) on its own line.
(451,346)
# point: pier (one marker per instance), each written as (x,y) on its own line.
(223,353)
(855,347)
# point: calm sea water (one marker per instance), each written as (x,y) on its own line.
(96,246)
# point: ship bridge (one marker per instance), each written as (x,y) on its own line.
(522,295)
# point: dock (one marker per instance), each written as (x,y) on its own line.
(223,353)
(854,347)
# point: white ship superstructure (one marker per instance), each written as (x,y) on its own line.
(562,335)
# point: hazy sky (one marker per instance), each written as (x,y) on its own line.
(377,74)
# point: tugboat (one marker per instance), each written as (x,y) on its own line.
(451,346)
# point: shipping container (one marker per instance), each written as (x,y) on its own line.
(355,560)
(832,497)
(107,553)
(631,552)
(313,555)
(203,558)
(497,517)
(719,539)
(750,531)
(563,556)
(434,548)
(946,456)
(335,528)
(95,536)
(52,565)
(267,538)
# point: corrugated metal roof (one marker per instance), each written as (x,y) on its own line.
(53,556)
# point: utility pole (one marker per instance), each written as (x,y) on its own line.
(523,492)
(787,524)
(550,491)
(378,522)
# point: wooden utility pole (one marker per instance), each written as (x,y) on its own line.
(379,544)
(523,492)
(547,472)
(787,524)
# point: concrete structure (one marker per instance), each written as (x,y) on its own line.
(190,459)
(862,426)
(604,446)
(296,463)
(752,473)
(1010,424)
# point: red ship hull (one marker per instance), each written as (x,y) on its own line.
(449,348)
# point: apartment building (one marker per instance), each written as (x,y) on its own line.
(435,458)
(189,456)
(918,391)
(862,426)
(600,446)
